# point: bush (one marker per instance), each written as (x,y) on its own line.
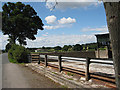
(10,52)
(77,47)
(18,53)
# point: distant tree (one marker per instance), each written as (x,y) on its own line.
(77,47)
(19,22)
(57,48)
(43,47)
(66,47)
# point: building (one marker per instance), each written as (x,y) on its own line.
(102,41)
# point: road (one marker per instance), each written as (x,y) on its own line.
(19,76)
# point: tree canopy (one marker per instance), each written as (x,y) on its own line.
(19,22)
(66,47)
(77,47)
(57,48)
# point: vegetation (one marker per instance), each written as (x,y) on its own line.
(20,21)
(18,53)
(77,47)
(57,48)
(69,48)
(8,46)
(70,74)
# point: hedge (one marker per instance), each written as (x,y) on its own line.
(18,53)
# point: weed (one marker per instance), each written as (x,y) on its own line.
(70,74)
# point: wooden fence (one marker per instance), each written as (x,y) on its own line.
(60,59)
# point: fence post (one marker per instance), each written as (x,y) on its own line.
(46,60)
(39,59)
(59,61)
(87,74)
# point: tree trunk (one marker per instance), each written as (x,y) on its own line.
(113,21)
(13,40)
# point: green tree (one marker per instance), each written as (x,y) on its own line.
(8,46)
(66,47)
(19,22)
(43,47)
(57,48)
(77,47)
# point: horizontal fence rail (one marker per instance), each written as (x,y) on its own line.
(87,61)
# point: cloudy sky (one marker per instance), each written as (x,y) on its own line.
(68,23)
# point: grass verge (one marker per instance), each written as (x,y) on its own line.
(14,61)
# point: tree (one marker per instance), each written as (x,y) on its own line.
(19,22)
(77,47)
(112,10)
(8,46)
(43,47)
(66,47)
(57,48)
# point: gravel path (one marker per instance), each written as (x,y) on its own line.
(19,76)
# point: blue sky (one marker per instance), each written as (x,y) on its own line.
(68,23)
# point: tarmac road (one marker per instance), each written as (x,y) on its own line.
(19,76)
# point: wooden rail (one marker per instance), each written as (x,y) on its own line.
(87,61)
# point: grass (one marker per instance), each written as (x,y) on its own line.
(70,79)
(14,61)
(54,73)
(35,52)
(91,49)
(70,74)
(102,48)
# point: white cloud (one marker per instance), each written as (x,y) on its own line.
(55,24)
(66,20)
(51,19)
(60,40)
(54,27)
(103,29)
(53,40)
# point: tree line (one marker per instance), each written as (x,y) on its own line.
(76,47)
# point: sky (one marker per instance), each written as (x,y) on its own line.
(69,23)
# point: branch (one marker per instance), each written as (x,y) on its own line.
(52,8)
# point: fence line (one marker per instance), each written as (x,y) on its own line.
(60,59)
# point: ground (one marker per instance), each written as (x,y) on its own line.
(18,76)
